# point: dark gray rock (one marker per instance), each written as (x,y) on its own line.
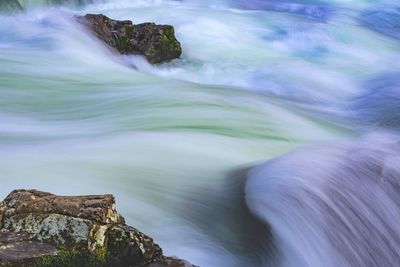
(156,42)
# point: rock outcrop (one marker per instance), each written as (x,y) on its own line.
(156,42)
(38,229)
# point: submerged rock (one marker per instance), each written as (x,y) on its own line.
(10,5)
(38,229)
(156,42)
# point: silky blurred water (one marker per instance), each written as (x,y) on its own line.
(333,205)
(256,79)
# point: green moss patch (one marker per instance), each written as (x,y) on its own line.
(72,258)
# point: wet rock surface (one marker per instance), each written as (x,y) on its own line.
(157,43)
(38,229)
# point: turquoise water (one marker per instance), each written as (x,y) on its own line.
(256,79)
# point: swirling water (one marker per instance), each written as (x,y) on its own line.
(176,143)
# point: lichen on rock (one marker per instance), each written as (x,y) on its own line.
(157,43)
(125,243)
(38,229)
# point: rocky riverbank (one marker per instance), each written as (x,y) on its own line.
(39,229)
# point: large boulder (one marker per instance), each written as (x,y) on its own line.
(156,42)
(38,229)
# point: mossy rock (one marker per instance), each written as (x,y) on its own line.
(156,42)
(125,246)
(39,229)
(72,258)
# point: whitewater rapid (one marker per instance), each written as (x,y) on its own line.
(333,205)
(182,145)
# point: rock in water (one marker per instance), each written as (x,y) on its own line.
(38,229)
(156,42)
(10,5)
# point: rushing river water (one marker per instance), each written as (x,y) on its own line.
(182,144)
